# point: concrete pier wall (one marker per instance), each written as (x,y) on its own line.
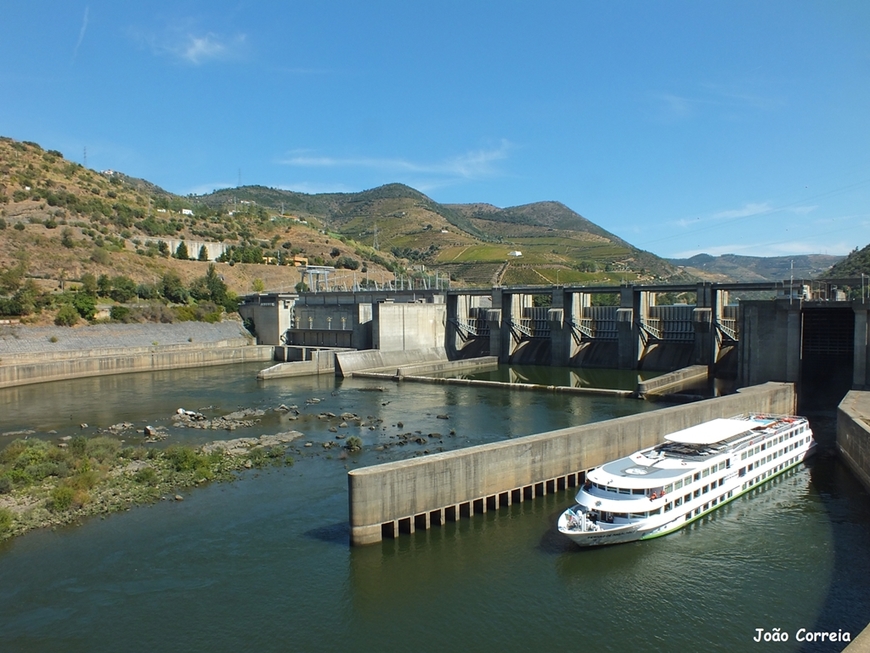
(316,361)
(103,362)
(348,362)
(417,493)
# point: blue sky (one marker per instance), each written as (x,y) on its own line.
(682,127)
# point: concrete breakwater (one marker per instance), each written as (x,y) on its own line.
(402,376)
(35,355)
(423,492)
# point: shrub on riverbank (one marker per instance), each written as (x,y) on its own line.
(45,484)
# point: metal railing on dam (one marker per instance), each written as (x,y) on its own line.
(423,492)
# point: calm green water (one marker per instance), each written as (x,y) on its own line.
(262,564)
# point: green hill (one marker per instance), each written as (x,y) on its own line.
(61,222)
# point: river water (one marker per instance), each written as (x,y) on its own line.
(263,564)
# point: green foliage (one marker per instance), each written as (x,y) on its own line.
(181,252)
(66,238)
(173,289)
(119,313)
(102,448)
(347,263)
(123,289)
(78,446)
(182,458)
(85,304)
(5,520)
(203,254)
(100,256)
(61,498)
(856,264)
(67,316)
(89,284)
(146,476)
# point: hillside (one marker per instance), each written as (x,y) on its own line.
(470,243)
(61,223)
(731,267)
(856,264)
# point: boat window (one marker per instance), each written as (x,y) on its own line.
(668,488)
(696,493)
(636,515)
(668,507)
(678,501)
(705,489)
(687,480)
(687,497)
(721,466)
(657,511)
(678,484)
(743,456)
(705,473)
(742,472)
(624,490)
(763,446)
(638,491)
(621,515)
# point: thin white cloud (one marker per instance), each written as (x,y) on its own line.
(727,100)
(200,49)
(313,188)
(474,164)
(752,208)
(190,45)
(82,30)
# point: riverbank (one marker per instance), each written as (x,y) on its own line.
(45,484)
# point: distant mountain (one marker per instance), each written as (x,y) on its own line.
(731,267)
(475,243)
(67,220)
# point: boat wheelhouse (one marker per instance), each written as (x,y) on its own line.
(694,471)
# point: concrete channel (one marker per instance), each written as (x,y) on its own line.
(402,496)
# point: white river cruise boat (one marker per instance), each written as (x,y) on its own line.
(658,490)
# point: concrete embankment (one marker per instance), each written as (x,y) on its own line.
(31,355)
(853,443)
(853,434)
(418,493)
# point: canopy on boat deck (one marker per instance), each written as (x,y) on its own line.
(712,432)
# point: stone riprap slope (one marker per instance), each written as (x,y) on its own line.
(18,340)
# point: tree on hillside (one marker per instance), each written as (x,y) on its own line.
(123,289)
(203,253)
(181,252)
(104,285)
(173,289)
(89,284)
